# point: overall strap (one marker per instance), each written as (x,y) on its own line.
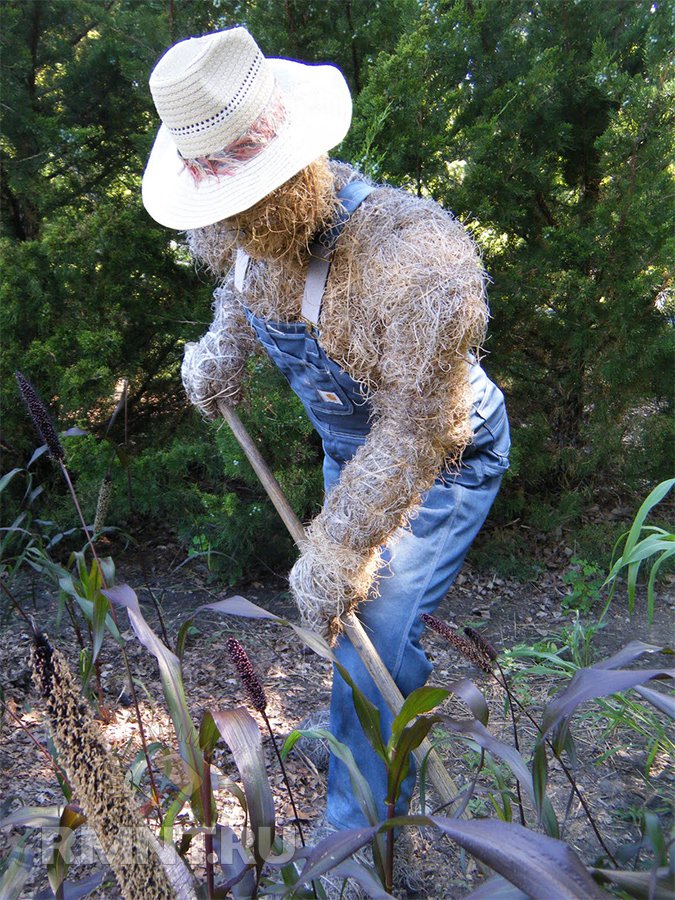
(321,249)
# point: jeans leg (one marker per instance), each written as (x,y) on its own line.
(418,569)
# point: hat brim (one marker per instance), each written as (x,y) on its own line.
(318,114)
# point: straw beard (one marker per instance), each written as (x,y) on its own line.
(280,226)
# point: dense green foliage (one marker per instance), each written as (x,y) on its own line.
(547,126)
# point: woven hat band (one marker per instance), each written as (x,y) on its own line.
(209,90)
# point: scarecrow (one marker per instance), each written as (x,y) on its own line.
(372,304)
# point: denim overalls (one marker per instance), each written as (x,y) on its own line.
(420,563)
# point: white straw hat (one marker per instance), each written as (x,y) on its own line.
(220,99)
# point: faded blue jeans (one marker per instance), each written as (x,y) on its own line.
(419,564)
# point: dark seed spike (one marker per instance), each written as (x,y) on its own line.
(44,669)
(40,418)
(478,639)
(475,654)
(246,672)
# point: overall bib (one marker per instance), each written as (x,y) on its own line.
(422,561)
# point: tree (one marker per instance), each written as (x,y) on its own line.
(547,127)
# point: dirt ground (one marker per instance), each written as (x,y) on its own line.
(297,683)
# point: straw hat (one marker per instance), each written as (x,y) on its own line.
(235,126)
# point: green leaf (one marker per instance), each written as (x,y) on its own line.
(240,732)
(368,715)
(539,777)
(57,867)
(208,734)
(659,492)
(635,551)
(169,817)
(100,613)
(654,834)
(140,763)
(66,585)
(406,743)
(421,700)
(651,596)
(185,630)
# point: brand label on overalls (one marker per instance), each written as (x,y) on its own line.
(329,397)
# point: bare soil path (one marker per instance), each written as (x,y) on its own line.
(611,766)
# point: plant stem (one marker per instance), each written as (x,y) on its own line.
(515,739)
(76,502)
(208,834)
(285,777)
(156,604)
(389,862)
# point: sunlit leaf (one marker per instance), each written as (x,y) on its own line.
(238,606)
(473,698)
(497,888)
(34,816)
(627,654)
(17,871)
(661,701)
(5,480)
(240,732)
(314,641)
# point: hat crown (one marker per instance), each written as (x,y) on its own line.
(208,90)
